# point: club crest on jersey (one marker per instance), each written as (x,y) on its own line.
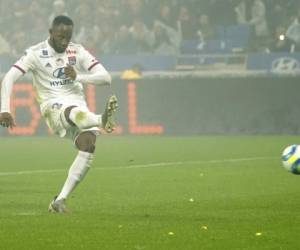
(60,73)
(59,62)
(45,52)
(72,60)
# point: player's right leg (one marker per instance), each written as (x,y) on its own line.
(85,143)
(57,206)
(84,119)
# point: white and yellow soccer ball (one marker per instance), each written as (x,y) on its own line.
(291,158)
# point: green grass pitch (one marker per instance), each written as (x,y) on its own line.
(151,193)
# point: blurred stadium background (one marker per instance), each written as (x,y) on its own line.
(180,67)
(188,69)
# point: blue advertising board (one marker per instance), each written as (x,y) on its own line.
(274,62)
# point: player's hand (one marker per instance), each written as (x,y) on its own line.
(70,72)
(6,120)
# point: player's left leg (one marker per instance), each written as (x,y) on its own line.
(85,143)
(84,119)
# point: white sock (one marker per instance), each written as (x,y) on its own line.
(84,119)
(77,171)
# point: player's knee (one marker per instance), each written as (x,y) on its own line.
(86,142)
(86,146)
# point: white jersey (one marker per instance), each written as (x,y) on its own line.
(47,67)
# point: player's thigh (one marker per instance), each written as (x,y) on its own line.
(57,119)
(53,119)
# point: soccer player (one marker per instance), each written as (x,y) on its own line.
(59,68)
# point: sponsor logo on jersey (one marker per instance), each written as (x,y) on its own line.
(72,60)
(285,65)
(61,82)
(60,73)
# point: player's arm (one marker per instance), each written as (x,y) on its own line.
(6,119)
(25,63)
(94,72)
(97,75)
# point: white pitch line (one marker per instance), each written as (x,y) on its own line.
(27,214)
(165,164)
(40,171)
(149,165)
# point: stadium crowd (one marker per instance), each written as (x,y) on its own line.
(149,26)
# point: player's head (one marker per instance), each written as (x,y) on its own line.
(61,33)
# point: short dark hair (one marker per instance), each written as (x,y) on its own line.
(62,20)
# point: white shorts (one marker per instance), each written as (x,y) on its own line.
(53,113)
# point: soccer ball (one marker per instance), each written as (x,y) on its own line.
(291,159)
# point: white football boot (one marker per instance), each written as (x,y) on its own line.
(108,123)
(57,206)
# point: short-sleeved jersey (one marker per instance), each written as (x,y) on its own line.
(47,67)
